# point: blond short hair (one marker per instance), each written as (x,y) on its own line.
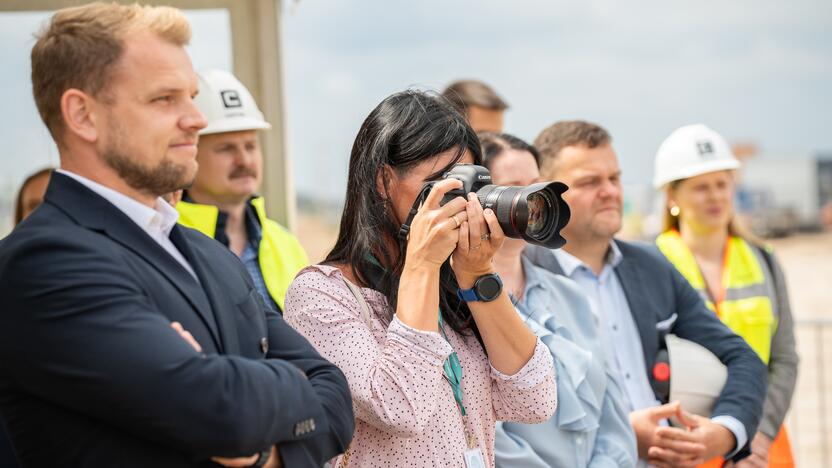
(80,47)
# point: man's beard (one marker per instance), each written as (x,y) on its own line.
(164,178)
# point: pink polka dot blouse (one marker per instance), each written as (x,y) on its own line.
(405,411)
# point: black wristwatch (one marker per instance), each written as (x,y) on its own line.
(486,289)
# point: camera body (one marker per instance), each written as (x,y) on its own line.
(536,213)
(473,179)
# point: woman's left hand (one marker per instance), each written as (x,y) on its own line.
(479,238)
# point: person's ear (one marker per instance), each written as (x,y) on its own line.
(79,114)
(671,205)
(386,178)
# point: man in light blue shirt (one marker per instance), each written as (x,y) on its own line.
(638,297)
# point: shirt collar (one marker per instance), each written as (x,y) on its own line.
(570,263)
(161,218)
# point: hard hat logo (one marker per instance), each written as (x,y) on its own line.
(231,98)
(705,148)
(227,104)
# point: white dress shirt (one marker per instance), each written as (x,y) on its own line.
(156,222)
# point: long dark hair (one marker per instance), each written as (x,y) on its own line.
(405,129)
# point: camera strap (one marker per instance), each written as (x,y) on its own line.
(404,231)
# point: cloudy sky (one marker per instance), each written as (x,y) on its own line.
(754,70)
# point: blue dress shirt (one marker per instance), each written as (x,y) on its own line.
(591,427)
(620,334)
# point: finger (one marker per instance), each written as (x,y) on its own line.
(694,449)
(687,419)
(453,207)
(439,190)
(236,462)
(664,411)
(669,456)
(757,461)
(455,221)
(476,224)
(674,433)
(177,326)
(463,245)
(494,229)
(192,341)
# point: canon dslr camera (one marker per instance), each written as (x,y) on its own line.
(535,213)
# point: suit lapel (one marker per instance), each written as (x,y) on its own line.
(96,213)
(635,290)
(224,318)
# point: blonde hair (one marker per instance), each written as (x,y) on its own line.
(80,47)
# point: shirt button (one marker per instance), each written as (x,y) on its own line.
(615,327)
(627,375)
(579,440)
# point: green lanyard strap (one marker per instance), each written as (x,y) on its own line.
(453,371)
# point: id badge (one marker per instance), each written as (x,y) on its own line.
(474,458)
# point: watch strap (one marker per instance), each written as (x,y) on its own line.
(467,295)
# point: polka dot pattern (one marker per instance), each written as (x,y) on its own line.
(405,410)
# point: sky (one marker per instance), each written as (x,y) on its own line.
(757,71)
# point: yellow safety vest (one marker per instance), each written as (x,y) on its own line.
(280,254)
(746,302)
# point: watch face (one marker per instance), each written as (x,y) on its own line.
(489,288)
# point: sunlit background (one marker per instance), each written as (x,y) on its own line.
(759,72)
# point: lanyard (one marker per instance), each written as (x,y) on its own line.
(453,371)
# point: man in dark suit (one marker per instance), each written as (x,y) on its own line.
(639,297)
(126,340)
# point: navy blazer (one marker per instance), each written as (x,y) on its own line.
(92,374)
(655,291)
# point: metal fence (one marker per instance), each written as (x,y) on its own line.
(809,422)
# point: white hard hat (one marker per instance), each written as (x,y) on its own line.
(227,104)
(690,151)
(697,375)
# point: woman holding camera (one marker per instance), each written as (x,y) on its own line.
(432,347)
(591,427)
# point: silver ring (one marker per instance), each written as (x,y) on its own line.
(485,237)
(477,247)
(456,221)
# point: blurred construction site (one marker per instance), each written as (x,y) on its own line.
(321,66)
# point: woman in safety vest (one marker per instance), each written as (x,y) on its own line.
(738,278)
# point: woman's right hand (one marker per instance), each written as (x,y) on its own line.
(434,231)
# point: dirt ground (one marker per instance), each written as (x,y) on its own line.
(807,262)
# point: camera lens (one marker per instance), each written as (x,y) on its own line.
(539,208)
(535,213)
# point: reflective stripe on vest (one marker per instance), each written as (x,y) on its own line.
(280,255)
(746,302)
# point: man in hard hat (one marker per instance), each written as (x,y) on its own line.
(223,203)
(479,103)
(639,297)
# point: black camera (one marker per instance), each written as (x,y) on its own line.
(535,213)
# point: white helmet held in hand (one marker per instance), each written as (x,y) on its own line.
(690,151)
(227,104)
(697,375)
